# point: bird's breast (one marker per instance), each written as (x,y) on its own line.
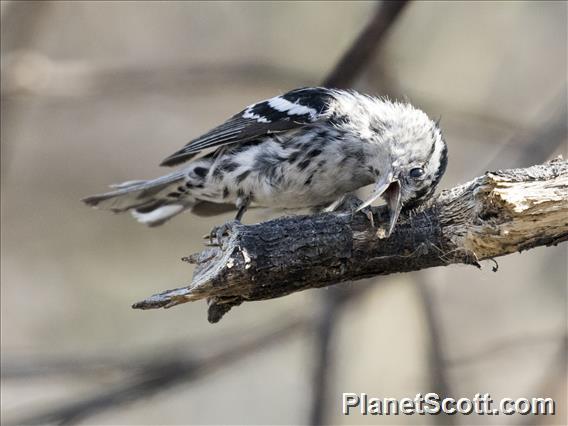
(311,169)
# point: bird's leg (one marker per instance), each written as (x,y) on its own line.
(350,202)
(335,205)
(219,231)
(242,206)
(347,202)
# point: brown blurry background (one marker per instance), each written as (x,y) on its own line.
(95,93)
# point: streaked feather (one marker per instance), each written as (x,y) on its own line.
(291,110)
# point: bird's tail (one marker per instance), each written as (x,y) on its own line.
(151,202)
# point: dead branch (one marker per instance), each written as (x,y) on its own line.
(493,215)
(364,48)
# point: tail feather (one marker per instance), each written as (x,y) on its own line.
(147,200)
(126,184)
(158,215)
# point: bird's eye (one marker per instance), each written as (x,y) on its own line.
(416,172)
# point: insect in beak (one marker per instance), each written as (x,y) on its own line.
(389,189)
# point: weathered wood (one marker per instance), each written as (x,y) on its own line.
(493,215)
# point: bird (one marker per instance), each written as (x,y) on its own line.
(311,147)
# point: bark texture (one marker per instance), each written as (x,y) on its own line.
(493,215)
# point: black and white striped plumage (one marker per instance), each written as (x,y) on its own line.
(306,148)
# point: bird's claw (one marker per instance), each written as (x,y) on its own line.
(348,202)
(216,235)
(351,203)
(369,213)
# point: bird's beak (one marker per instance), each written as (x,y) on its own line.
(389,188)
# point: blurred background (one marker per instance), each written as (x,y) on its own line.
(95,93)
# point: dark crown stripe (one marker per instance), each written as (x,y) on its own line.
(442,166)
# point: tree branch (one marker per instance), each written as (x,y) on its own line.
(363,49)
(493,215)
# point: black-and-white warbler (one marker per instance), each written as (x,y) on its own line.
(306,148)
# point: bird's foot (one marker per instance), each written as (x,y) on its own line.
(369,213)
(218,232)
(350,203)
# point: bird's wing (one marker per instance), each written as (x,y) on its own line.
(291,110)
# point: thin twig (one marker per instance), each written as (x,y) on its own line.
(334,300)
(439,380)
(349,67)
(162,374)
(323,354)
(363,50)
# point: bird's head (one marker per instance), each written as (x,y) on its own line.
(413,160)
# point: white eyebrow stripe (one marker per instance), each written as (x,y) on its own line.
(435,161)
